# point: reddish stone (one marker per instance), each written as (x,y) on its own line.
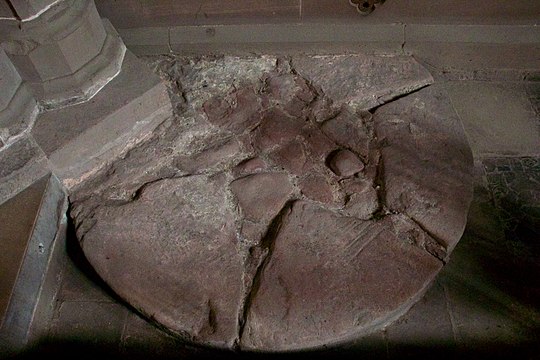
(362,204)
(345,163)
(322,110)
(317,188)
(329,276)
(250,166)
(221,153)
(276,128)
(348,130)
(361,80)
(252,233)
(427,162)
(292,157)
(291,92)
(261,196)
(236,112)
(204,255)
(317,144)
(172,254)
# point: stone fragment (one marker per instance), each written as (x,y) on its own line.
(203,79)
(250,166)
(276,128)
(322,110)
(216,156)
(317,188)
(427,162)
(292,157)
(332,278)
(317,144)
(351,79)
(362,204)
(172,254)
(261,196)
(235,112)
(349,131)
(345,163)
(290,92)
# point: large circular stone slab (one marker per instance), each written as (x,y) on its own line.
(288,205)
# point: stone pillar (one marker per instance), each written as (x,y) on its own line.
(18,108)
(63,49)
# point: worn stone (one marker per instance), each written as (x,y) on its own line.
(276,128)
(317,188)
(362,203)
(317,144)
(266,214)
(217,155)
(261,196)
(186,256)
(250,166)
(350,131)
(345,163)
(235,112)
(427,162)
(350,79)
(331,278)
(292,157)
(21,164)
(291,92)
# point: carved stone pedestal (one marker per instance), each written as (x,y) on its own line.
(18,108)
(64,50)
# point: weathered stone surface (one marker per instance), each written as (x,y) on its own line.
(276,128)
(427,162)
(331,276)
(345,163)
(82,139)
(184,270)
(292,157)
(235,112)
(263,215)
(21,164)
(250,166)
(261,196)
(317,188)
(351,79)
(349,130)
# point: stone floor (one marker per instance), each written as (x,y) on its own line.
(485,303)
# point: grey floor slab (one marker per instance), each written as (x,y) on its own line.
(498,117)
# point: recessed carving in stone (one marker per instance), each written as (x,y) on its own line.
(366,7)
(291,204)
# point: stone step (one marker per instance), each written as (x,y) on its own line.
(80,140)
(32,233)
(21,164)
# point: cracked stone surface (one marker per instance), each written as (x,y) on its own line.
(288,204)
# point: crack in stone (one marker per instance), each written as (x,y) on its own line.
(398,96)
(438,242)
(267,244)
